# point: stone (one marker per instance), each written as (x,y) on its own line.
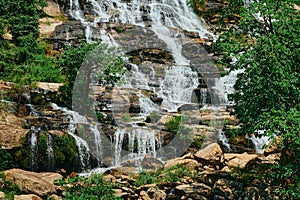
(27,197)
(47,26)
(223,189)
(11,131)
(239,160)
(119,193)
(2,195)
(189,163)
(50,177)
(55,197)
(194,190)
(49,87)
(211,154)
(270,159)
(30,182)
(150,162)
(52,9)
(144,196)
(110,178)
(156,194)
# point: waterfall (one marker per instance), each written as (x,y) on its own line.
(141,142)
(34,147)
(50,152)
(222,138)
(97,136)
(259,141)
(74,119)
(174,84)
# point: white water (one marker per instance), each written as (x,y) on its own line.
(75,118)
(50,152)
(259,141)
(34,147)
(97,136)
(141,142)
(167,19)
(222,138)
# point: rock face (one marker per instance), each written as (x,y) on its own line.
(33,183)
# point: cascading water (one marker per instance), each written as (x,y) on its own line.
(97,136)
(74,119)
(223,139)
(259,141)
(50,152)
(141,142)
(34,147)
(168,20)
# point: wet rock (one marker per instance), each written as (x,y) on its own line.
(156,100)
(31,182)
(68,33)
(134,108)
(211,154)
(187,107)
(239,160)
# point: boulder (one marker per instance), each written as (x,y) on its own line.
(27,197)
(194,190)
(211,154)
(189,163)
(150,162)
(30,182)
(50,177)
(52,9)
(239,160)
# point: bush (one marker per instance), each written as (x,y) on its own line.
(92,188)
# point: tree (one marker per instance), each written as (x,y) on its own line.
(81,63)
(267,47)
(22,16)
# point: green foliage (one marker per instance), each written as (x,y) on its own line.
(174,124)
(6,160)
(27,62)
(21,17)
(267,47)
(9,189)
(80,63)
(170,175)
(65,151)
(94,187)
